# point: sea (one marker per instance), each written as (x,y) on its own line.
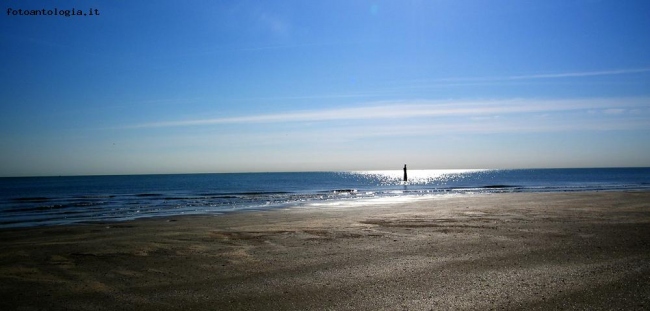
(52,201)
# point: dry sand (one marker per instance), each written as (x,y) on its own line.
(500,251)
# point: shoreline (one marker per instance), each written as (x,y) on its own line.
(510,250)
(79,199)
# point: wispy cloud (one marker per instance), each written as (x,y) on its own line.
(414,109)
(579,74)
(345,134)
(556,75)
(277,25)
(396,87)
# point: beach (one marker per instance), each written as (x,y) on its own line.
(527,251)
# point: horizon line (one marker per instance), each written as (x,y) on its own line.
(327,171)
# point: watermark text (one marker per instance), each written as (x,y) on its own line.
(72,12)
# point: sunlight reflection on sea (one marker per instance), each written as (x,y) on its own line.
(419,177)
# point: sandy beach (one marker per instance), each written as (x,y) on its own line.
(527,251)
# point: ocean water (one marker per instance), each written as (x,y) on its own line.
(46,201)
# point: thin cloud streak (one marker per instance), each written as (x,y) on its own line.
(580,74)
(318,136)
(549,75)
(414,109)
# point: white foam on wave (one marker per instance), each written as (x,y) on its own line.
(376,201)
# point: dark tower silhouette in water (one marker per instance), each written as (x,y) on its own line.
(405,172)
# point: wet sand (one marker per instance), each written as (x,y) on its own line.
(523,251)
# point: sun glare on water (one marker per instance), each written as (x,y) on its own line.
(391,177)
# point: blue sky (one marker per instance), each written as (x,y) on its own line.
(239,86)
